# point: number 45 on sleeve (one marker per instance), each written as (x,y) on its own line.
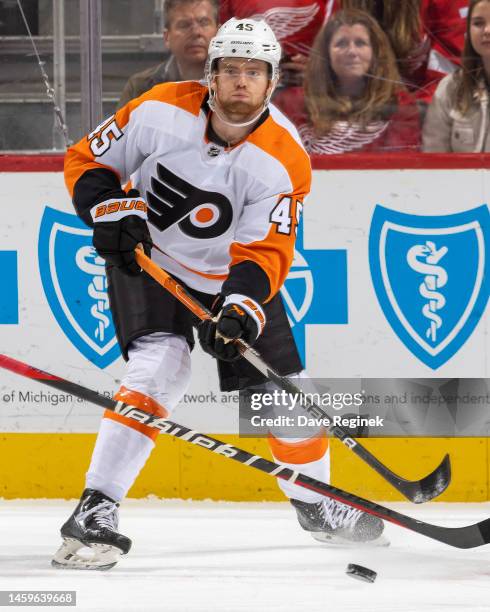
(287,209)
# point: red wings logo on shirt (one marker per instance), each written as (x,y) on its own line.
(198,213)
(286,21)
(342,138)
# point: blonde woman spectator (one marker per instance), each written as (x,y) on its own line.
(458,118)
(354,100)
(427,37)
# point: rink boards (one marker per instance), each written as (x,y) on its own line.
(353,297)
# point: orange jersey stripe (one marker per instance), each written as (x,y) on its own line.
(187,95)
(274,254)
(277,142)
(82,156)
(298,452)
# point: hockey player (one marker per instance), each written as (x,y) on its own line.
(295,24)
(223,178)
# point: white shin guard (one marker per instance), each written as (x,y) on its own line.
(119,455)
(159,368)
(318,469)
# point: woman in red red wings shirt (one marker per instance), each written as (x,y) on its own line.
(354,98)
(427,37)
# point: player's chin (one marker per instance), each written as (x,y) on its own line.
(241,109)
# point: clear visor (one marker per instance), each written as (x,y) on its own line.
(250,69)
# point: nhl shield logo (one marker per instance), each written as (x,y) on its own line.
(75,284)
(430,274)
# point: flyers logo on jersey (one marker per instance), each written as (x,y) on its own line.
(198,213)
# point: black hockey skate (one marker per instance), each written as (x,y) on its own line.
(93,525)
(333,522)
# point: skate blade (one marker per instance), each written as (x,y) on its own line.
(93,557)
(340,542)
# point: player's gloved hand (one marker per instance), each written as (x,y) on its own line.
(238,316)
(119,226)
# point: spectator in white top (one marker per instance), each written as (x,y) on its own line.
(458,117)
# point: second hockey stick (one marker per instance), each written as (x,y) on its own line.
(470,536)
(417,491)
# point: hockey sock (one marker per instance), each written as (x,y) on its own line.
(119,454)
(157,375)
(310,456)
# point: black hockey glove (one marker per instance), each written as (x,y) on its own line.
(238,316)
(119,226)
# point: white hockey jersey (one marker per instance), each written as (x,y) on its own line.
(210,207)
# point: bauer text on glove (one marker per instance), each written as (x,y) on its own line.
(119,226)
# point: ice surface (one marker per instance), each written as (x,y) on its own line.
(234,557)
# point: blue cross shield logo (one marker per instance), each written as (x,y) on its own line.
(315,291)
(430,274)
(75,284)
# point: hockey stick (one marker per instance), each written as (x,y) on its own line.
(470,536)
(417,491)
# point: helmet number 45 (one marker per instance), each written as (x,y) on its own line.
(246,27)
(287,209)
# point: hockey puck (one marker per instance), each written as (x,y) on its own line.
(361,573)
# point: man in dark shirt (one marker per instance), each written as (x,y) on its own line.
(189,27)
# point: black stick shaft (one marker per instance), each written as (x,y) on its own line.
(470,536)
(417,491)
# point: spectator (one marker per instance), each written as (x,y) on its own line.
(445,23)
(354,100)
(189,27)
(457,119)
(427,37)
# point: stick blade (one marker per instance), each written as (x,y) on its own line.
(471,536)
(434,484)
(484,528)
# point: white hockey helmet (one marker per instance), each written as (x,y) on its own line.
(247,38)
